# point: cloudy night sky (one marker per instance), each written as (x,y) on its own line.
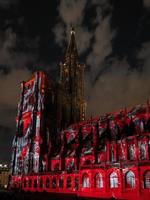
(113,39)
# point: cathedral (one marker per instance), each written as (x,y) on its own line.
(56,149)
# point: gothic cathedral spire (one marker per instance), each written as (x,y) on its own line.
(72,83)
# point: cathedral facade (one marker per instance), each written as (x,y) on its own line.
(57,150)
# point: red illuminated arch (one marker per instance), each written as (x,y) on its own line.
(98,180)
(113,180)
(130,179)
(147,180)
(30,183)
(85,181)
(47,183)
(68,182)
(54,182)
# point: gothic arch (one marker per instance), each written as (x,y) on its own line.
(41,183)
(30,183)
(98,180)
(35,183)
(54,182)
(85,181)
(147,180)
(68,182)
(47,182)
(113,180)
(25,183)
(130,180)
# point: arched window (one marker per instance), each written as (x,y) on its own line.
(25,183)
(47,183)
(41,183)
(98,180)
(54,183)
(142,151)
(85,181)
(61,183)
(76,183)
(147,180)
(131,152)
(35,183)
(30,183)
(112,158)
(130,180)
(113,178)
(69,182)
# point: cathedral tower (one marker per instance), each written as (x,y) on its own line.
(72,83)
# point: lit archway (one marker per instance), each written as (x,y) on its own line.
(30,183)
(98,181)
(35,183)
(54,183)
(68,182)
(147,180)
(47,183)
(130,180)
(85,181)
(41,183)
(113,180)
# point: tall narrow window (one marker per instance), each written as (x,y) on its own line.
(35,183)
(61,183)
(147,180)
(76,183)
(69,182)
(131,152)
(47,183)
(85,181)
(25,183)
(113,178)
(41,183)
(142,151)
(54,183)
(112,158)
(98,180)
(30,183)
(130,180)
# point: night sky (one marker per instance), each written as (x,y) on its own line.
(113,39)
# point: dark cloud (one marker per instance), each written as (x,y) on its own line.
(6,136)
(146,3)
(111,82)
(7,3)
(10,90)
(71,13)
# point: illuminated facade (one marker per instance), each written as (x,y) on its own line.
(56,150)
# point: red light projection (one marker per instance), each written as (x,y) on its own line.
(103,157)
